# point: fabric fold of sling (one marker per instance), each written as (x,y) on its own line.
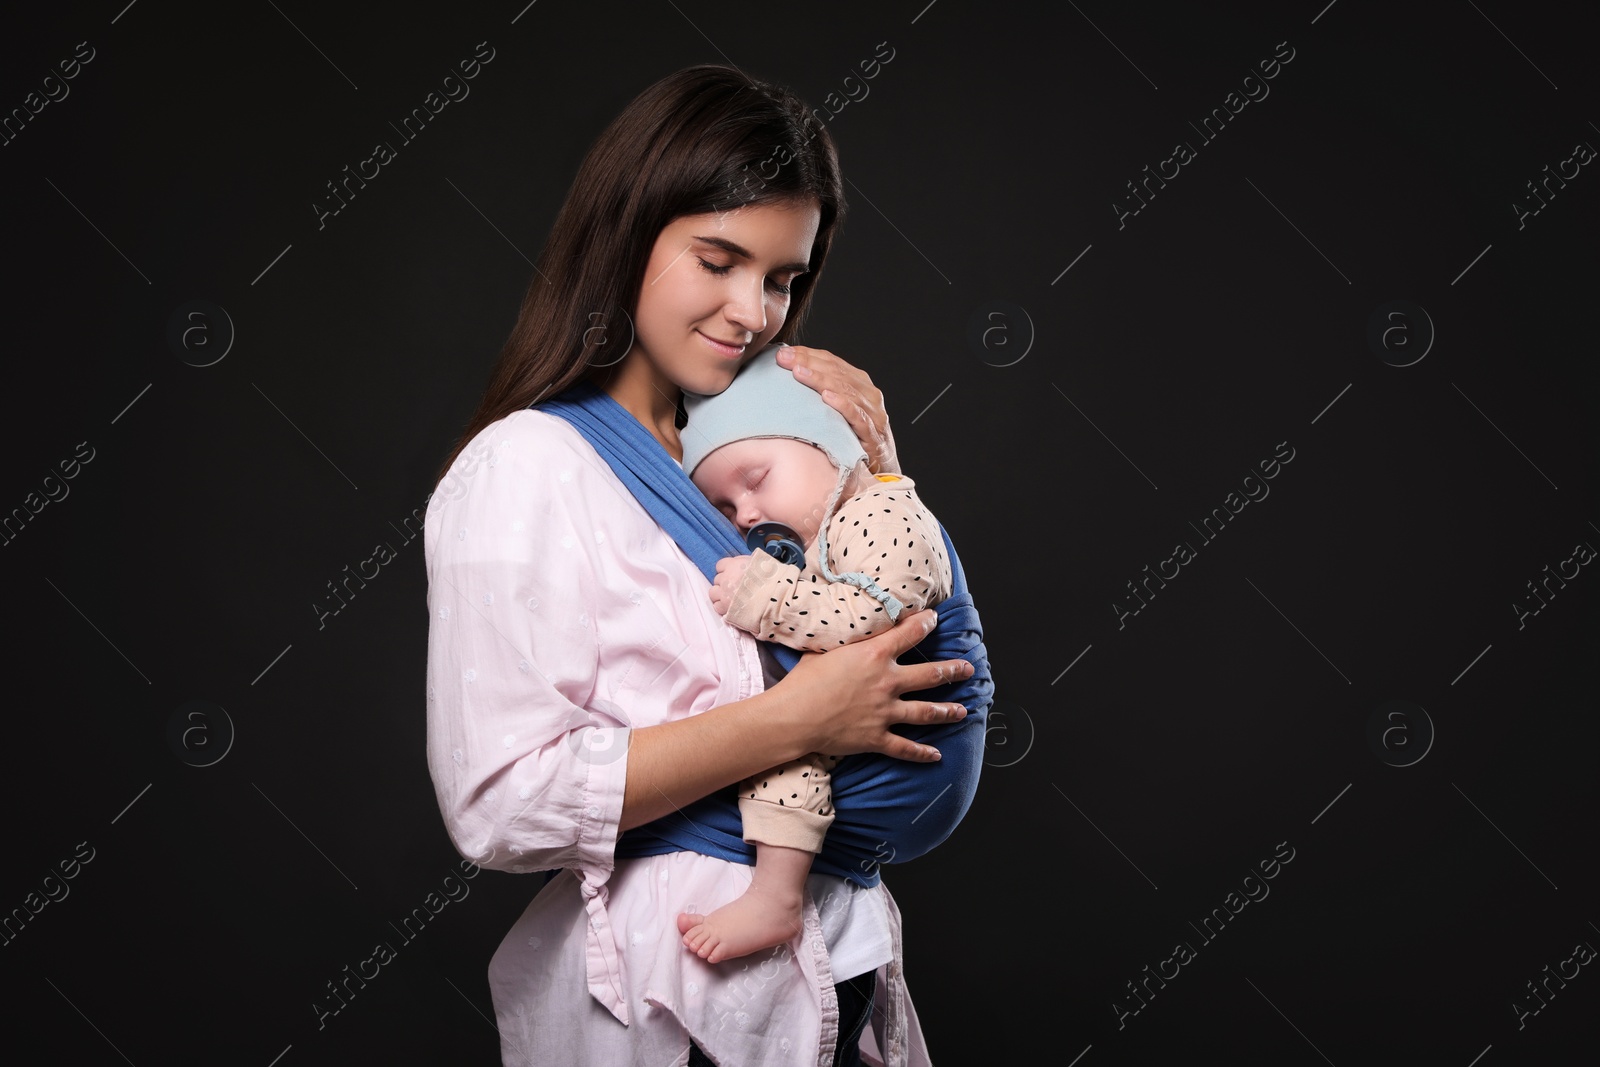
(888,810)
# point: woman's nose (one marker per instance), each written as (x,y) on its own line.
(747,308)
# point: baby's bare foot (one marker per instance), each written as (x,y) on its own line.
(755,921)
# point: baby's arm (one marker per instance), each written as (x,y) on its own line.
(780,602)
(895,543)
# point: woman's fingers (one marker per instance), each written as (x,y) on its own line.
(848,390)
(871,426)
(821,369)
(927,714)
(903,637)
(907,749)
(852,696)
(905,634)
(922,676)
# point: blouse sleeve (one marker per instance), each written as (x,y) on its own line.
(527,776)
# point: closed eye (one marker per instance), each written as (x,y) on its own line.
(719,271)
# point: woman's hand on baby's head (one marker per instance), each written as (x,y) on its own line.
(730,572)
(849,391)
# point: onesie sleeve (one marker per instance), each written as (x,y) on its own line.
(893,544)
(527,775)
(885,539)
(780,602)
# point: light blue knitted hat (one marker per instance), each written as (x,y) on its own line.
(765,400)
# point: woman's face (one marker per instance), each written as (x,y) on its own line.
(720,277)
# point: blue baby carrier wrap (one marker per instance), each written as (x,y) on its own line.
(887,810)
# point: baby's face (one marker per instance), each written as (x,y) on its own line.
(769,479)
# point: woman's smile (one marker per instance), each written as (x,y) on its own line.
(731,350)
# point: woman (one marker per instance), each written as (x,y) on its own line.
(588,710)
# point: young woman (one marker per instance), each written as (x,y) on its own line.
(588,710)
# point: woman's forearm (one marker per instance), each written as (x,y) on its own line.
(674,764)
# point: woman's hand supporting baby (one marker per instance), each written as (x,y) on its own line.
(840,702)
(853,693)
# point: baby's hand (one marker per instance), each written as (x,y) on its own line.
(730,571)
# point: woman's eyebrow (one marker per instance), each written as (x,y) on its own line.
(739,250)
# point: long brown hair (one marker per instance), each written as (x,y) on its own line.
(705,139)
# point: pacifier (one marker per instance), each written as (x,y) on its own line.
(782,543)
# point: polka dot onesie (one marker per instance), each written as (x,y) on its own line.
(882,541)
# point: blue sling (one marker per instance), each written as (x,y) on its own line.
(887,810)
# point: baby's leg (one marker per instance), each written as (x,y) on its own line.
(786,813)
(768,913)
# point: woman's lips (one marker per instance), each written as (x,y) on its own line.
(723,348)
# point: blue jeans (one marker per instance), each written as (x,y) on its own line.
(855,1008)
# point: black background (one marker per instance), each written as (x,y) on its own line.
(1125,797)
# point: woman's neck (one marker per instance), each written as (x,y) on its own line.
(648,397)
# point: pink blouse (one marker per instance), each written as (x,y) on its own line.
(561,616)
